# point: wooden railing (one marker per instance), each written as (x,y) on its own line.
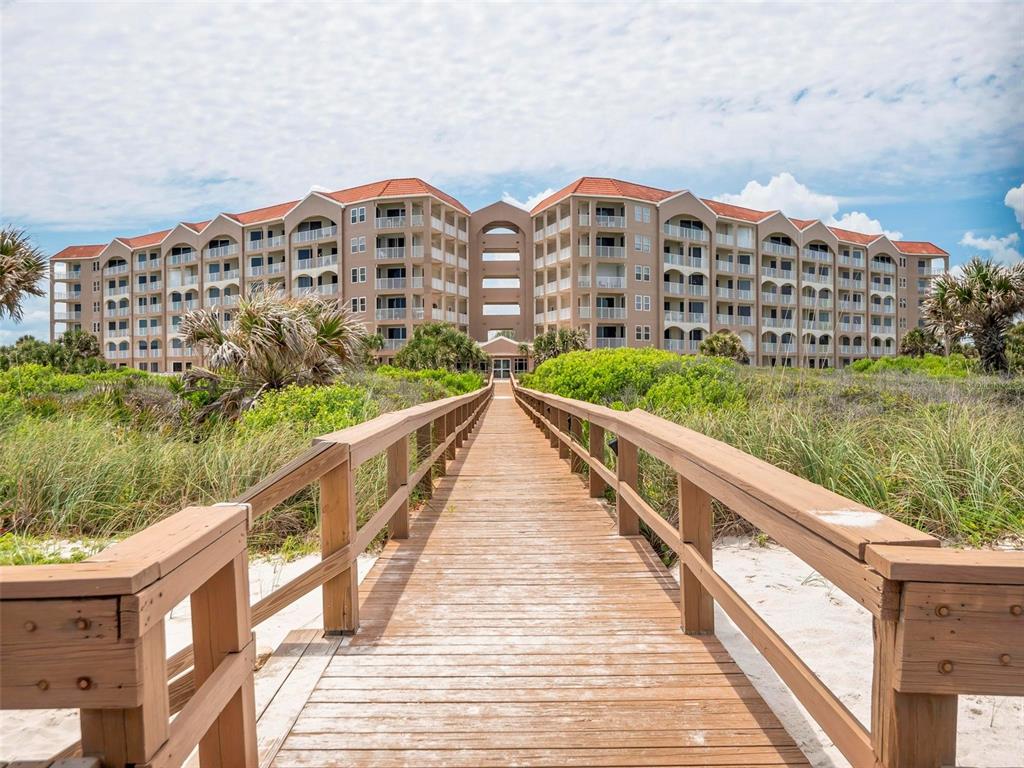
(90,635)
(945,622)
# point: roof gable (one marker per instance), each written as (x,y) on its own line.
(394,188)
(601,186)
(78,252)
(853,237)
(918,248)
(730,211)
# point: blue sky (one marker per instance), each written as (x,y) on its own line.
(123,119)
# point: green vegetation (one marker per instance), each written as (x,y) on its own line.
(725,343)
(73,352)
(924,440)
(556,342)
(105,454)
(919,342)
(439,346)
(22,268)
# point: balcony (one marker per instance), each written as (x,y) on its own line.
(393,344)
(178,306)
(584,312)
(851,261)
(254,246)
(391,283)
(686,233)
(121,290)
(65,316)
(778,274)
(315,235)
(815,302)
(851,283)
(609,342)
(436,223)
(851,349)
(778,249)
(391,254)
(724,266)
(221,251)
(276,242)
(883,330)
(67,295)
(816,325)
(68,274)
(223,277)
(734,319)
(815,278)
(685,346)
(121,354)
(328,289)
(320,262)
(851,327)
(603,281)
(721,238)
(686,262)
(180,352)
(117,312)
(610,313)
(120,269)
(772,347)
(391,313)
(117,333)
(390,222)
(176,259)
(782,299)
(851,306)
(610,222)
(609,252)
(778,322)
(277,269)
(886,267)
(817,349)
(889,288)
(416,220)
(822,256)
(882,309)
(149,287)
(690,318)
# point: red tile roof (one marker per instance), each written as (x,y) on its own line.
(736,211)
(143,241)
(597,186)
(803,224)
(268,213)
(918,248)
(853,237)
(78,252)
(197,226)
(393,188)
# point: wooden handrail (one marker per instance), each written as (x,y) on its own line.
(945,622)
(90,636)
(144,576)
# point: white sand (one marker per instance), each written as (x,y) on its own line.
(826,628)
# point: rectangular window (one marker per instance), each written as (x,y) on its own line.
(642,243)
(358,274)
(358,244)
(642,303)
(357,215)
(493,310)
(642,274)
(642,332)
(359,304)
(500,282)
(642,213)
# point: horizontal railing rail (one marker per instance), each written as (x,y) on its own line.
(945,622)
(146,575)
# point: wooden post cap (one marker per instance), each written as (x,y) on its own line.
(945,667)
(942,610)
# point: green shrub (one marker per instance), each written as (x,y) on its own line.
(703,384)
(937,366)
(451,382)
(316,410)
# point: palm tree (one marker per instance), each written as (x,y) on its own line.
(22,267)
(724,343)
(981,303)
(556,342)
(439,345)
(920,342)
(272,343)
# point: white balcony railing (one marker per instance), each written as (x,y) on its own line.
(686,233)
(120,269)
(778,274)
(679,260)
(393,344)
(221,251)
(734,319)
(391,313)
(610,252)
(612,222)
(607,281)
(883,266)
(609,342)
(778,322)
(611,313)
(391,254)
(722,238)
(687,346)
(315,235)
(822,256)
(391,283)
(390,222)
(778,249)
(320,262)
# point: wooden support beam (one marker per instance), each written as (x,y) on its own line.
(627,471)
(424,447)
(696,607)
(597,484)
(398,472)
(563,427)
(337,530)
(576,464)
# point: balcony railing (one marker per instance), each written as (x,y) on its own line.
(851,349)
(609,342)
(315,235)
(778,274)
(121,290)
(390,222)
(851,283)
(773,347)
(734,319)
(278,268)
(416,220)
(610,252)
(822,256)
(687,289)
(784,299)
(278,241)
(612,222)
(117,312)
(393,344)
(391,283)
(221,251)
(583,281)
(179,306)
(67,295)
(584,220)
(686,233)
(182,258)
(67,316)
(391,313)
(777,322)
(778,249)
(851,261)
(120,269)
(603,281)
(883,287)
(70,274)
(320,262)
(682,345)
(391,254)
(610,313)
(223,277)
(814,277)
(883,266)
(883,309)
(679,260)
(722,238)
(254,246)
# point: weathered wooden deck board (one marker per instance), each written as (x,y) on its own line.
(516,627)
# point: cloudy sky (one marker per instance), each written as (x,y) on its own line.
(123,119)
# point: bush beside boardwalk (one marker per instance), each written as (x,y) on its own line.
(926,441)
(105,454)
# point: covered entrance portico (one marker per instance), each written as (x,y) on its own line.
(504,357)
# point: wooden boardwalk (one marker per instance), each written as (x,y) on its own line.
(516,627)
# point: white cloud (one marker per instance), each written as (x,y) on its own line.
(1004,249)
(783,192)
(1015,200)
(161,112)
(36,321)
(528,203)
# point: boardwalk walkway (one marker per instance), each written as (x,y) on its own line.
(515,627)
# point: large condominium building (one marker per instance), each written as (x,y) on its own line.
(634,265)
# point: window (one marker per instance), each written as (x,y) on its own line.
(359,304)
(95,306)
(95,327)
(642,274)
(903,303)
(358,274)
(642,303)
(358,244)
(903,282)
(642,213)
(500,282)
(492,310)
(642,332)
(357,215)
(642,243)
(95,266)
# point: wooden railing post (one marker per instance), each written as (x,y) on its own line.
(908,730)
(554,419)
(124,736)
(696,606)
(576,430)
(424,447)
(398,475)
(221,626)
(563,428)
(450,424)
(627,471)
(337,530)
(459,418)
(440,435)
(597,483)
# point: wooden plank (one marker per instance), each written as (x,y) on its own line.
(337,531)
(307,468)
(956,566)
(398,476)
(57,622)
(626,473)
(696,517)
(598,481)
